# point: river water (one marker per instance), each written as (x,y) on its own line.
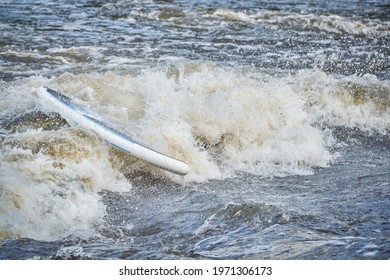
(281,109)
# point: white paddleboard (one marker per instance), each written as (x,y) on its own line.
(66,107)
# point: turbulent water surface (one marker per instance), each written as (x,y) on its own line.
(281,109)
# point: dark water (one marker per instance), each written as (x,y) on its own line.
(281,109)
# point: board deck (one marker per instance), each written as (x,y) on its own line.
(65,106)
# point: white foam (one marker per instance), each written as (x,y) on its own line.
(50,180)
(220,120)
(233,15)
(329,23)
(352,101)
(82,53)
(50,183)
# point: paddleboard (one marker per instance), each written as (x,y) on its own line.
(65,106)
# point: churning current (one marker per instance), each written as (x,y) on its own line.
(281,109)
